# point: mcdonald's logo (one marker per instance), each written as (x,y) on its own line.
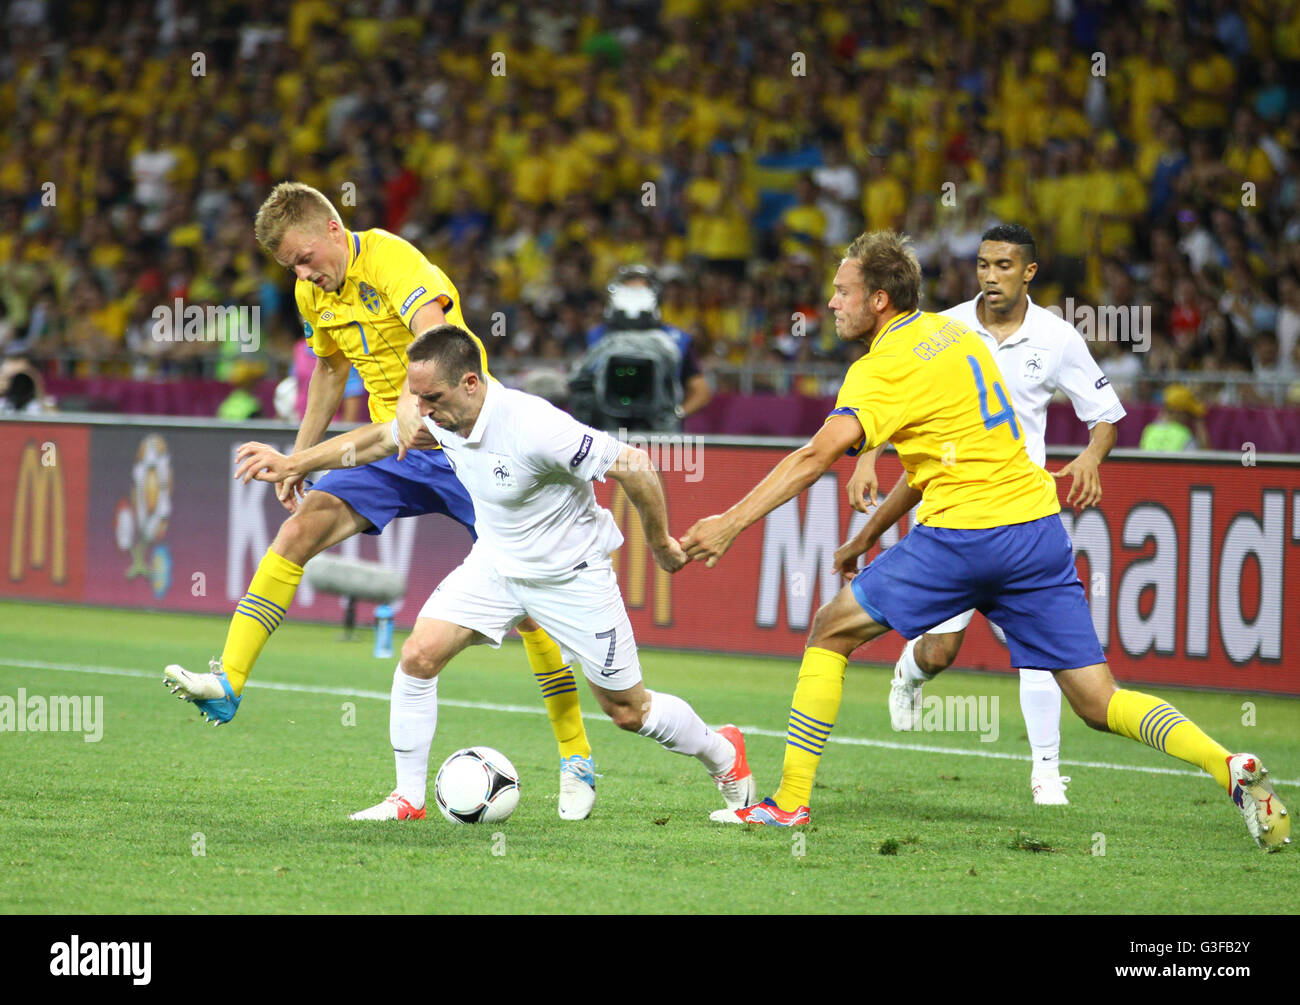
(631,561)
(39,494)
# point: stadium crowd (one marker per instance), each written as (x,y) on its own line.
(737,147)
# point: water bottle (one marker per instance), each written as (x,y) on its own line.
(383,632)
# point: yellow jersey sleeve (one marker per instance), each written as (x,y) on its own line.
(407,279)
(874,399)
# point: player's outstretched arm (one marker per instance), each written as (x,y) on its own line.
(636,473)
(864,484)
(710,538)
(351,449)
(902,497)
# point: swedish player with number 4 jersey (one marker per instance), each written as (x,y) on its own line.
(363,296)
(1038,354)
(988,536)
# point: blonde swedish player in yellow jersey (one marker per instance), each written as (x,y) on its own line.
(988,536)
(363,297)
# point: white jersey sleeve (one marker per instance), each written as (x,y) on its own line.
(560,442)
(1088,388)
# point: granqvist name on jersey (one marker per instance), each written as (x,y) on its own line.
(75,958)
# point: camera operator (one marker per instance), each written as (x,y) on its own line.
(638,373)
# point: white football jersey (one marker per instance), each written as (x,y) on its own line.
(1045,355)
(528,468)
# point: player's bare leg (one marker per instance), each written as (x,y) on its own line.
(838,628)
(413,714)
(922,659)
(672,723)
(322,521)
(1098,701)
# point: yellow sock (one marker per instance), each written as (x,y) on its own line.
(812,714)
(559,691)
(257,615)
(1158,724)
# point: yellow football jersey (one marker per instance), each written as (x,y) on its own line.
(930,386)
(368,320)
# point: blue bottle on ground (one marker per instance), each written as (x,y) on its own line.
(383,632)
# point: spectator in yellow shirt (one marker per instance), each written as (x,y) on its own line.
(802,228)
(1207,86)
(884,200)
(1116,201)
(530,174)
(1247,161)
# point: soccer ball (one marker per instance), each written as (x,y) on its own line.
(476,785)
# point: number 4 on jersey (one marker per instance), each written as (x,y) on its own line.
(1007,414)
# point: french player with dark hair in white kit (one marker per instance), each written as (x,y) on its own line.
(543,549)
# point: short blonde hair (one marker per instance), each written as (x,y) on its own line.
(888,263)
(291,204)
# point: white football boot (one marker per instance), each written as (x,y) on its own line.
(211,692)
(737,783)
(904,698)
(577,787)
(395,807)
(1266,817)
(1049,789)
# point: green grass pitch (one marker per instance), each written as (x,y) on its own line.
(114,826)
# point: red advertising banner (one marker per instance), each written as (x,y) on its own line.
(156,521)
(43,470)
(1190,564)
(1191,567)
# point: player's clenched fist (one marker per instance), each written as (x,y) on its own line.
(864,484)
(411,430)
(846,558)
(670,556)
(709,539)
(289,492)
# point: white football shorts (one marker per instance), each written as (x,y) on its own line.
(954,624)
(583,611)
(960,623)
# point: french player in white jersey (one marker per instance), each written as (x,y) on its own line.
(543,550)
(1038,354)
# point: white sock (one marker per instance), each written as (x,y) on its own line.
(677,727)
(1040,701)
(412,720)
(911,669)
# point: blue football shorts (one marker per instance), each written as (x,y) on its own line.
(1021,577)
(421,482)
